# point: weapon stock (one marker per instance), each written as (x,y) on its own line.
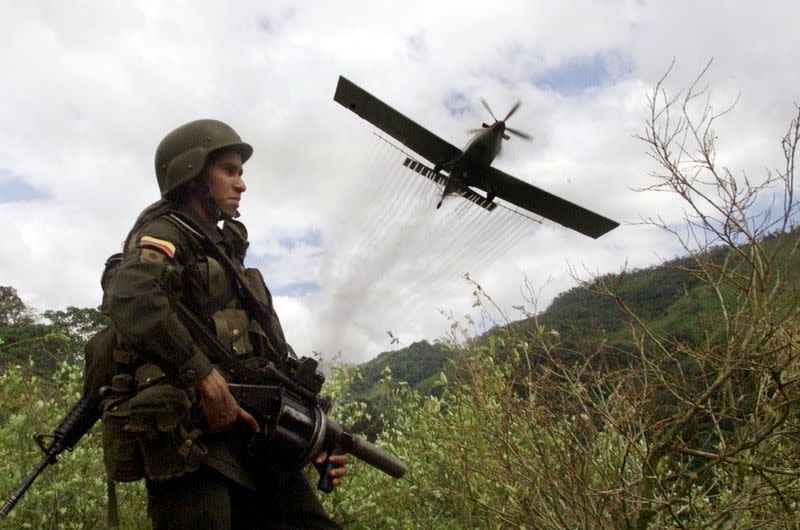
(83,415)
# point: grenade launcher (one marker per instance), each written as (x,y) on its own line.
(291,412)
(294,428)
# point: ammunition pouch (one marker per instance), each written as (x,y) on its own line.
(150,435)
(208,282)
(233,327)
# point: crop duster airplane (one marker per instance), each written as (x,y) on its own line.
(472,166)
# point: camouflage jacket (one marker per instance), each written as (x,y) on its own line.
(164,256)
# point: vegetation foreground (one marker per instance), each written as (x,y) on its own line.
(665,423)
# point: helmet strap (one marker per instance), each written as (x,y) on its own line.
(208,201)
(200,199)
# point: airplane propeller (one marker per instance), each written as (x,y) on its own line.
(487,108)
(520,134)
(513,110)
(515,132)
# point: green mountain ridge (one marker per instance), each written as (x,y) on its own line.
(671,298)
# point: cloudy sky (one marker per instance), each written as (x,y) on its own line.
(351,244)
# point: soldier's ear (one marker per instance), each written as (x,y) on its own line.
(197,187)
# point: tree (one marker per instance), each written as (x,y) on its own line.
(77,325)
(12,309)
(726,408)
(60,336)
(79,322)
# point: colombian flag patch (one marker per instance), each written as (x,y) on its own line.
(158,244)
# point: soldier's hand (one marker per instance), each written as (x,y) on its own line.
(338,467)
(219,406)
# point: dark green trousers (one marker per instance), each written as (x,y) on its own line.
(207,500)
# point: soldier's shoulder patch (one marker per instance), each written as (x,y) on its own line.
(161,245)
(148,254)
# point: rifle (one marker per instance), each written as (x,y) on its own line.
(83,415)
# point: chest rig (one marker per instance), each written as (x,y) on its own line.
(233,298)
(226,297)
(152,428)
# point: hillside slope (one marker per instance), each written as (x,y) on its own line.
(670,297)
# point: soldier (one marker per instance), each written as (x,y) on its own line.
(196,472)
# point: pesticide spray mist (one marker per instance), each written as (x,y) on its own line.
(391,254)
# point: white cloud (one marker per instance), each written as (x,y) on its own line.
(90,89)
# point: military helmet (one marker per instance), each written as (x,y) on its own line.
(182,154)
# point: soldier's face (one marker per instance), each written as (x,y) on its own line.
(223,174)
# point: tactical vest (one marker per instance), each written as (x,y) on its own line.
(150,427)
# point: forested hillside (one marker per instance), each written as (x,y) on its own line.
(671,298)
(417,364)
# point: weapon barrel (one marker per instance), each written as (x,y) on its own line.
(377,457)
(23,487)
(81,417)
(366,451)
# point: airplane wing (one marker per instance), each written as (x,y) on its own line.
(409,133)
(547,205)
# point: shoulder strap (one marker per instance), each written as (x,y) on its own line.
(260,313)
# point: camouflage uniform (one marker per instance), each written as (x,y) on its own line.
(151,420)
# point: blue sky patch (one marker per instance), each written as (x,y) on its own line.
(457,103)
(577,74)
(265,24)
(14,189)
(417,46)
(269,265)
(296,289)
(312,238)
(275,23)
